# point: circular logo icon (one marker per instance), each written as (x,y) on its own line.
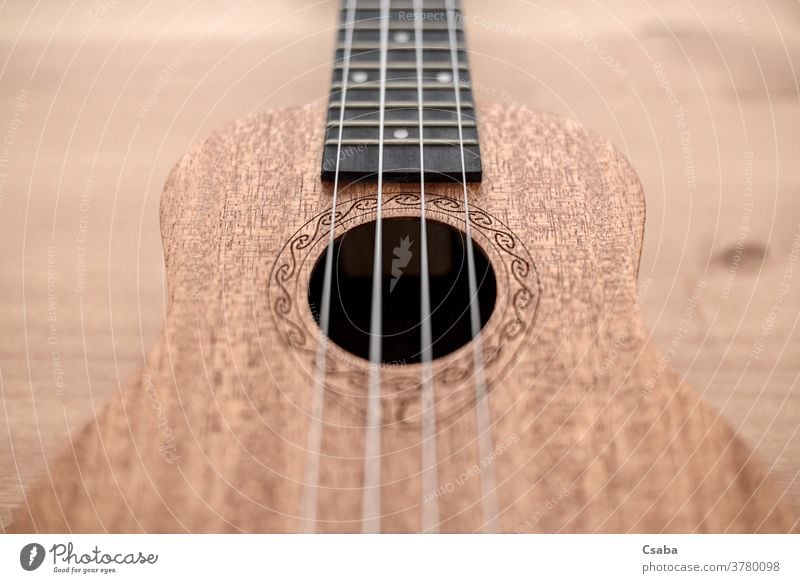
(31,556)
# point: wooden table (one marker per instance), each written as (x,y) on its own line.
(100,99)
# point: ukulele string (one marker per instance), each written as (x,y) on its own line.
(430,504)
(371,502)
(308,511)
(489,505)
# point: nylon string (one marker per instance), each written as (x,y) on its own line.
(308,511)
(489,506)
(371,503)
(430,504)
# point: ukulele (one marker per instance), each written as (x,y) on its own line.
(402,311)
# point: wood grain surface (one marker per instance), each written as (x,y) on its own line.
(100,99)
(586,421)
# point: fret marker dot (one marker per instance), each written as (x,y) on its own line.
(444,77)
(359,77)
(402,37)
(400,133)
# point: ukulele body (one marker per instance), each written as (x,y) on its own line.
(591,432)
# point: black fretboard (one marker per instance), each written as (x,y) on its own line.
(357,147)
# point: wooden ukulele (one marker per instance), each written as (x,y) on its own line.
(437,330)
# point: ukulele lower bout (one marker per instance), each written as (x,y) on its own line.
(559,216)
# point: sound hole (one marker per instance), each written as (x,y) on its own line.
(351,289)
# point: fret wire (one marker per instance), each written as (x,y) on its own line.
(402,66)
(369,24)
(401,47)
(401,142)
(366,25)
(401,105)
(428,9)
(396,5)
(430,31)
(401,123)
(371,86)
(410,5)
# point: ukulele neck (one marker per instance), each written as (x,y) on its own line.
(400,103)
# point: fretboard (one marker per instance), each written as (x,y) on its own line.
(449,136)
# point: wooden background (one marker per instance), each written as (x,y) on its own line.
(99,99)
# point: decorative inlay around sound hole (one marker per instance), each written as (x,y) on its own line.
(347,375)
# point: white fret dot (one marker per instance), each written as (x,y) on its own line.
(444,77)
(359,76)
(400,133)
(402,37)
